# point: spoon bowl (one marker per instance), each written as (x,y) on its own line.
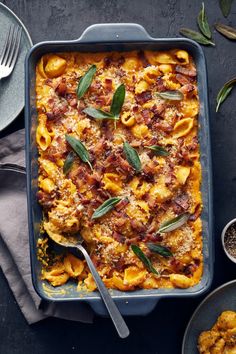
(76,242)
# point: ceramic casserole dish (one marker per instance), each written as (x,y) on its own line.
(103,38)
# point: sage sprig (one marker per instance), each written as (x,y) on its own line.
(158,150)
(86,81)
(116,106)
(174,223)
(196,36)
(105,207)
(225,6)
(98,113)
(224,92)
(68,162)
(79,149)
(132,156)
(143,258)
(118,101)
(174,95)
(203,22)
(161,250)
(227,31)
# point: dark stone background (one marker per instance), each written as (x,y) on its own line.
(162,331)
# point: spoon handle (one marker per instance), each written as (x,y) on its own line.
(114,313)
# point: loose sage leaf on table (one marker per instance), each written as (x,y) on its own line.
(174,223)
(224,92)
(161,250)
(118,100)
(159,150)
(225,6)
(173,95)
(146,261)
(196,36)
(68,162)
(80,149)
(105,207)
(86,81)
(98,113)
(227,31)
(203,22)
(132,156)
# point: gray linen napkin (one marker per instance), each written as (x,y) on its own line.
(14,245)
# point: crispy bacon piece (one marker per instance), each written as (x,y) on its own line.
(118,237)
(163,126)
(183,80)
(160,85)
(116,161)
(159,110)
(57,110)
(61,88)
(189,71)
(146,115)
(181,203)
(106,130)
(143,97)
(71,99)
(108,84)
(57,150)
(187,88)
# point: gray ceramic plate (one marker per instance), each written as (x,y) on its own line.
(205,316)
(12,87)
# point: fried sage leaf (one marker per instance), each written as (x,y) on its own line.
(224,92)
(225,6)
(174,95)
(86,81)
(159,150)
(161,250)
(227,31)
(98,113)
(79,148)
(196,36)
(203,22)
(118,100)
(146,261)
(68,162)
(105,207)
(132,156)
(174,223)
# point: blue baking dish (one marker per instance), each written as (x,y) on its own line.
(118,37)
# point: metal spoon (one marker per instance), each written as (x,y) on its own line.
(112,309)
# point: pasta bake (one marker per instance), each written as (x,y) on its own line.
(119,167)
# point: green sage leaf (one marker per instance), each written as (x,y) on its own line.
(146,261)
(132,156)
(118,100)
(227,31)
(68,162)
(161,250)
(196,36)
(86,81)
(99,114)
(225,6)
(105,207)
(159,150)
(80,149)
(174,95)
(224,92)
(174,223)
(203,22)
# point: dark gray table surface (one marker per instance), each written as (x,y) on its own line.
(162,331)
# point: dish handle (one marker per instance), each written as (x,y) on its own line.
(127,307)
(114,32)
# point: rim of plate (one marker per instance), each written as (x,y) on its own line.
(31,43)
(203,301)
